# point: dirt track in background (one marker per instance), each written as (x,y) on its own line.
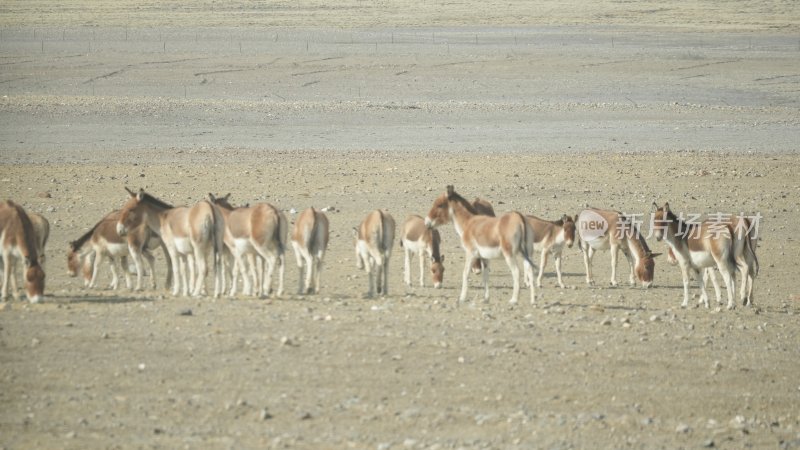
(541,119)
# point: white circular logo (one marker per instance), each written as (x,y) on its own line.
(591,226)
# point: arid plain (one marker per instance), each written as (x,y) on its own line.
(539,108)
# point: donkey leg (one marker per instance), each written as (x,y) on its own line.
(685,276)
(558,271)
(528,268)
(744,270)
(407,267)
(299,258)
(542,263)
(703,293)
(514,266)
(465,278)
(614,256)
(6,275)
(368,264)
(422,255)
(317,261)
(588,253)
(281,272)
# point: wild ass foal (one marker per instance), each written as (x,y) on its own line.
(188,233)
(374,239)
(509,236)
(601,229)
(550,237)
(18,241)
(309,241)
(257,231)
(416,238)
(708,244)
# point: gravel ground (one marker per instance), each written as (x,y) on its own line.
(580,109)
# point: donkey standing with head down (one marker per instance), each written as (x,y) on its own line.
(601,229)
(18,241)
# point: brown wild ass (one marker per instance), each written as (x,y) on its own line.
(601,229)
(41,228)
(708,244)
(374,239)
(509,236)
(18,241)
(550,237)
(309,242)
(188,233)
(745,243)
(102,241)
(480,206)
(416,238)
(257,231)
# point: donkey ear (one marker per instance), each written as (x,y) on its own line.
(355,232)
(227,196)
(450,189)
(211,197)
(140,195)
(130,192)
(666,206)
(655,206)
(653,255)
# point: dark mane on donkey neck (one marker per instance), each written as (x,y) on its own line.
(453,195)
(159,203)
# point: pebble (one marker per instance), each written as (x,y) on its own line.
(683,428)
(655,318)
(185,312)
(265,415)
(606,321)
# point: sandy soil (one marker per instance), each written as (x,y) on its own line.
(540,116)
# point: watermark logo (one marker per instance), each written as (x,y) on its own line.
(591,226)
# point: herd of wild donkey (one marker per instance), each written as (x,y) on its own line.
(250,242)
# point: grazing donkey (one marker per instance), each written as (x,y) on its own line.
(374,239)
(509,236)
(416,238)
(18,241)
(310,241)
(601,229)
(102,241)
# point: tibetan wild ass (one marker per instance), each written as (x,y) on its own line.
(509,236)
(601,229)
(257,231)
(18,241)
(188,233)
(374,239)
(416,238)
(709,244)
(102,241)
(310,241)
(550,237)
